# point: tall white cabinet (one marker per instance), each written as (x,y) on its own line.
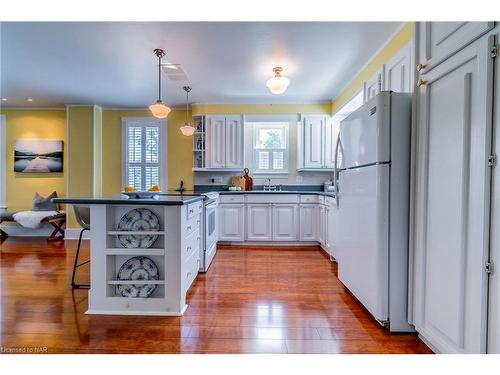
(224,142)
(452,194)
(398,71)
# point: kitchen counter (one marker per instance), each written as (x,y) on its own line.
(326,194)
(159,200)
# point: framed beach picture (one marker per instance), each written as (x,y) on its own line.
(40,156)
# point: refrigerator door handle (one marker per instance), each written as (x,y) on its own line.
(336,171)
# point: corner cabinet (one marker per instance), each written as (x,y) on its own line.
(316,137)
(224,142)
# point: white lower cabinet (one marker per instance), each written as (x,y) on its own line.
(259,216)
(321,225)
(232,222)
(285,222)
(308,222)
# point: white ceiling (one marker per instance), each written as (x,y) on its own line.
(112,64)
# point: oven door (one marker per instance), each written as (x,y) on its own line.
(210,225)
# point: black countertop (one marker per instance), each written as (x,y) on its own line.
(301,192)
(159,200)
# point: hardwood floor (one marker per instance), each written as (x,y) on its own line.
(250,301)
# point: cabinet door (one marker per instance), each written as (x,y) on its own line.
(259,222)
(374,85)
(439,40)
(231,222)
(308,222)
(313,141)
(398,71)
(327,229)
(285,220)
(331,133)
(216,141)
(234,142)
(321,224)
(452,201)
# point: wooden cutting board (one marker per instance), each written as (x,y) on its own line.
(238,181)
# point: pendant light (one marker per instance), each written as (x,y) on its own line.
(187,129)
(278,84)
(158,109)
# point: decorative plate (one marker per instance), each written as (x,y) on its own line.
(137,268)
(139,219)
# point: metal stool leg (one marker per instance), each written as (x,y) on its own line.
(76,265)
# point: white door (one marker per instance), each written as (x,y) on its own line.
(331,133)
(374,85)
(285,222)
(234,142)
(216,141)
(452,200)
(308,219)
(440,40)
(259,222)
(399,71)
(364,245)
(313,141)
(231,222)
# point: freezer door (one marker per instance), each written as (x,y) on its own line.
(365,133)
(363,243)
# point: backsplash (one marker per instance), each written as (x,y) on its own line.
(204,188)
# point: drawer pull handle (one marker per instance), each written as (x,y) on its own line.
(191,211)
(189,227)
(188,248)
(188,274)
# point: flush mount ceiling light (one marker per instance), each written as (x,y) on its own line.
(278,84)
(158,109)
(187,129)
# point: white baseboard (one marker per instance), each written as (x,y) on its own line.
(74,233)
(270,243)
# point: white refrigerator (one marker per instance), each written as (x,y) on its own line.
(372,193)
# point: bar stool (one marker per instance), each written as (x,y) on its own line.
(82,215)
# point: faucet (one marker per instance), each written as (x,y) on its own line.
(269,187)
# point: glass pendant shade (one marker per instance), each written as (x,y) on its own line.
(278,84)
(159,110)
(187,129)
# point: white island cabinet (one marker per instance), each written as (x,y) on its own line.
(174,253)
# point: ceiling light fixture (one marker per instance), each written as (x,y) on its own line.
(187,129)
(4,99)
(278,84)
(158,109)
(29,99)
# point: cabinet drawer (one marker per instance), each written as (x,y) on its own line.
(329,201)
(272,198)
(192,243)
(232,198)
(308,199)
(191,268)
(192,224)
(194,209)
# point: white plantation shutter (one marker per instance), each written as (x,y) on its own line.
(144,166)
(270,147)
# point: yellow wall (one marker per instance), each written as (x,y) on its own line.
(32,124)
(97,150)
(260,109)
(402,38)
(179,148)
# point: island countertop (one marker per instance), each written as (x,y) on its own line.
(159,200)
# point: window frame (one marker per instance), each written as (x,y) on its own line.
(162,157)
(257,125)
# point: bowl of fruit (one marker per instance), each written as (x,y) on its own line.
(133,193)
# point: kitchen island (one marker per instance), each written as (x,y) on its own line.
(144,253)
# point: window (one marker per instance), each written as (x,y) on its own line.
(270,147)
(143,160)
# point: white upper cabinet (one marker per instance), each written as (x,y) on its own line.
(374,85)
(224,142)
(316,137)
(439,40)
(454,127)
(234,142)
(399,71)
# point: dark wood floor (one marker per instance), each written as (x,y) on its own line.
(250,301)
